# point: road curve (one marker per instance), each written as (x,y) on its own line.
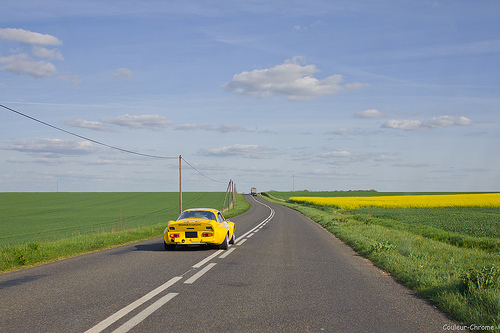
(284,274)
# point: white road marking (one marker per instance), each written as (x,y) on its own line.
(144,313)
(162,301)
(199,274)
(260,225)
(242,241)
(226,253)
(111,319)
(207,259)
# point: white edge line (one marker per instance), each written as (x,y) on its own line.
(195,277)
(210,257)
(261,224)
(119,314)
(145,313)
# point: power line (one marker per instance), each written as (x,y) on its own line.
(85,138)
(104,144)
(217,181)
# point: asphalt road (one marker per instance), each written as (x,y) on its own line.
(284,274)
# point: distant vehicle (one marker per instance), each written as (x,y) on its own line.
(199,226)
(253,191)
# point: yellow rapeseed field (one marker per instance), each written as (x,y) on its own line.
(406,201)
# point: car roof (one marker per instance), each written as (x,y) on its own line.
(198,209)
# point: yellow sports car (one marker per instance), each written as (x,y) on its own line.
(199,226)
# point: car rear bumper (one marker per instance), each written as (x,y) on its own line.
(189,240)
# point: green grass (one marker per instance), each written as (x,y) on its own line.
(475,222)
(40,217)
(432,252)
(60,225)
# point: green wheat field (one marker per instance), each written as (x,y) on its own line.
(42,217)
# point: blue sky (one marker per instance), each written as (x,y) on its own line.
(280,95)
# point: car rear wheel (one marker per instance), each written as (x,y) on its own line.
(232,239)
(168,247)
(225,243)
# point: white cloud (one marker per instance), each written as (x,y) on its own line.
(245,151)
(24,64)
(370,113)
(337,154)
(42,52)
(93,125)
(321,172)
(52,148)
(28,37)
(407,125)
(290,79)
(435,122)
(224,128)
(140,121)
(447,121)
(386,158)
(122,73)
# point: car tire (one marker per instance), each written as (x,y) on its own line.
(232,239)
(225,243)
(168,247)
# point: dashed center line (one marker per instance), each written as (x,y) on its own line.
(242,241)
(163,300)
(199,274)
(111,319)
(226,253)
(207,259)
(145,313)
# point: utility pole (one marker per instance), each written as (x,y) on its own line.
(230,196)
(180,184)
(234,195)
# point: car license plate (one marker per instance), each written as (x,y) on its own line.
(191,234)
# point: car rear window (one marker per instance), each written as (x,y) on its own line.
(197,214)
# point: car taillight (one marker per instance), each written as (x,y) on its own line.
(207,234)
(175,235)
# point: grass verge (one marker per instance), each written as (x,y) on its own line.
(34,252)
(463,281)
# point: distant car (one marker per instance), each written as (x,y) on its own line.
(199,226)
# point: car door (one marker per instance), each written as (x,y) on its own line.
(221,220)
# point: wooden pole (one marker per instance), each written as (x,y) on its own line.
(180,184)
(225,198)
(230,202)
(234,195)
